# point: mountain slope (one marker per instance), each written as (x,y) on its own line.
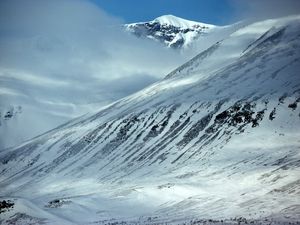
(172,31)
(54,75)
(218,138)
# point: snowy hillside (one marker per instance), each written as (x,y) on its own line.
(173,31)
(215,142)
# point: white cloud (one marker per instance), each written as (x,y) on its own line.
(64,58)
(265,9)
(75,41)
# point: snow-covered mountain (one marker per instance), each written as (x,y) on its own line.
(215,142)
(173,31)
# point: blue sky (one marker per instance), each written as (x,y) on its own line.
(217,12)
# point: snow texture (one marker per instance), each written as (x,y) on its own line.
(215,142)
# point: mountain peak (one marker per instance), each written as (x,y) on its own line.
(178,22)
(171,30)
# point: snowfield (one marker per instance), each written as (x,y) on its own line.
(215,142)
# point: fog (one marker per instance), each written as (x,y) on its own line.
(263,9)
(75,42)
(63,58)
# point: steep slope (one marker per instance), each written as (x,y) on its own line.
(53,76)
(218,138)
(172,31)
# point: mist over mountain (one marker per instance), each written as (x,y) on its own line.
(56,66)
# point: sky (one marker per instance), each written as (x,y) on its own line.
(218,12)
(212,11)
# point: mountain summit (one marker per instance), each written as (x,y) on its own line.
(173,31)
(180,22)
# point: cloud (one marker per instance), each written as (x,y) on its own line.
(264,9)
(62,58)
(77,43)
